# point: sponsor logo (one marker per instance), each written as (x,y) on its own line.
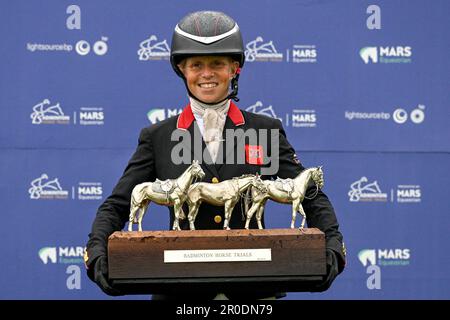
(258,50)
(416,116)
(82,47)
(152,49)
(386,54)
(304,118)
(408,193)
(44,188)
(301,53)
(374,259)
(156,115)
(298,118)
(48,254)
(259,108)
(91,116)
(363,190)
(399,115)
(62,255)
(45,113)
(385,257)
(90,191)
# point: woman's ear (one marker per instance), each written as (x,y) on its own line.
(234,68)
(181,67)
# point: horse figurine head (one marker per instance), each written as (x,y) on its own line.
(259,184)
(317,176)
(197,170)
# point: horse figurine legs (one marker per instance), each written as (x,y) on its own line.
(259,216)
(257,207)
(295,204)
(142,211)
(250,213)
(302,212)
(229,206)
(137,211)
(176,209)
(193,211)
(297,207)
(132,219)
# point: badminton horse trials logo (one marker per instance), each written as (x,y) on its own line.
(257,50)
(43,188)
(152,50)
(258,108)
(362,191)
(43,112)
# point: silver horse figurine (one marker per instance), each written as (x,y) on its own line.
(284,191)
(171,192)
(226,193)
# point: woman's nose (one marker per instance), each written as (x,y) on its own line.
(207,72)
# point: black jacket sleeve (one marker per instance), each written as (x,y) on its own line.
(113,214)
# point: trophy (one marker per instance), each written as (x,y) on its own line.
(238,260)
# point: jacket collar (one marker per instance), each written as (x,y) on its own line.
(186,117)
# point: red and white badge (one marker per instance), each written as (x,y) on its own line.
(254,154)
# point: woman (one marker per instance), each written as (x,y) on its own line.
(207,53)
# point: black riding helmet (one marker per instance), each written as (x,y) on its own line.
(207,33)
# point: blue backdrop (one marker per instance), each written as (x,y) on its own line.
(361,87)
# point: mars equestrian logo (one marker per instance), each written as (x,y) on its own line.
(302,53)
(89,116)
(408,194)
(363,190)
(304,118)
(152,49)
(46,113)
(90,191)
(258,50)
(385,257)
(160,114)
(64,255)
(44,188)
(387,54)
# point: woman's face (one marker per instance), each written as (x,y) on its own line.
(208,77)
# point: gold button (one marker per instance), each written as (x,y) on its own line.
(215,180)
(217,219)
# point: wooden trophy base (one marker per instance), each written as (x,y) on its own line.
(283,260)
